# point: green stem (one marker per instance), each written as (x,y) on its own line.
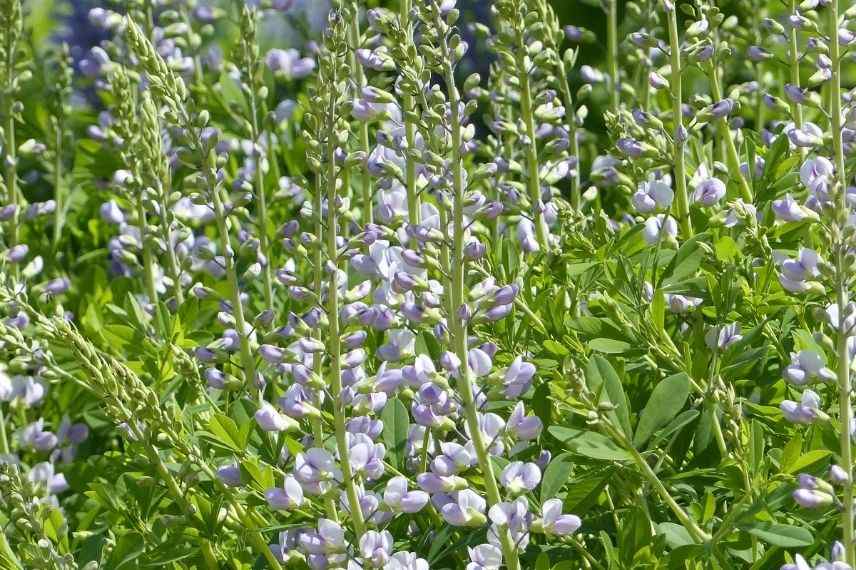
(334,346)
(409,108)
(4,442)
(698,535)
(264,243)
(845,413)
(166,227)
(247,360)
(612,52)
(731,158)
(681,199)
(794,55)
(533,182)
(360,82)
(458,327)
(149,267)
(59,196)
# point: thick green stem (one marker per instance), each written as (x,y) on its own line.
(334,346)
(247,361)
(845,413)
(681,198)
(698,535)
(731,158)
(533,183)
(11,162)
(4,442)
(458,326)
(149,267)
(166,228)
(612,52)
(413,212)
(360,80)
(261,200)
(794,55)
(59,196)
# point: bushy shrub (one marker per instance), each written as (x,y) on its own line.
(334,303)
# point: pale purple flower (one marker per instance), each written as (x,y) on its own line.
(707,190)
(796,272)
(816,174)
(806,411)
(519,477)
(659,226)
(554,522)
(454,458)
(316,470)
(230,475)
(807,366)
(484,557)
(466,509)
(682,304)
(399,499)
(376,548)
(289,64)
(651,195)
(45,474)
(723,337)
(523,427)
(788,210)
(518,377)
(526,236)
(287,497)
(270,419)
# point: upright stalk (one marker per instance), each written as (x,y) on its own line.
(247,360)
(845,409)
(172,259)
(612,52)
(681,199)
(261,200)
(334,346)
(732,160)
(149,267)
(794,56)
(360,79)
(533,183)
(413,212)
(318,268)
(458,328)
(59,195)
(547,15)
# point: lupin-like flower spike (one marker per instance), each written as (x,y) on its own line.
(13,73)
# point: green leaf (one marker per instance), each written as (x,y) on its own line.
(609,345)
(784,535)
(226,431)
(555,348)
(806,460)
(589,444)
(666,401)
(675,534)
(396,422)
(602,379)
(584,493)
(7,557)
(555,476)
(542,562)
